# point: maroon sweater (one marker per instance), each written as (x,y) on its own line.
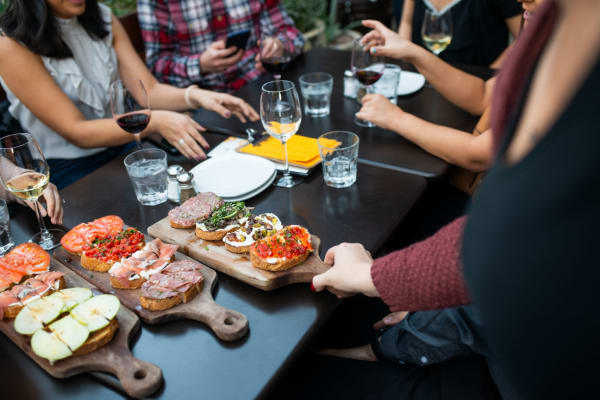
(428,274)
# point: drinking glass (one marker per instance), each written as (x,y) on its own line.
(25,172)
(316,92)
(367,68)
(273,55)
(387,85)
(6,241)
(147,170)
(339,154)
(281,114)
(133,116)
(436,30)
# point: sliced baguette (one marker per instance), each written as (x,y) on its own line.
(98,339)
(163,304)
(93,264)
(281,265)
(237,249)
(177,226)
(119,283)
(13,310)
(214,235)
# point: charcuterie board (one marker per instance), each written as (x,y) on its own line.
(215,255)
(225,323)
(138,378)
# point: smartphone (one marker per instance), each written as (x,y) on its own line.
(238,39)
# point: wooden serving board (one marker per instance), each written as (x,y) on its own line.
(215,254)
(225,323)
(138,378)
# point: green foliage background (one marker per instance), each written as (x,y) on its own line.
(119,7)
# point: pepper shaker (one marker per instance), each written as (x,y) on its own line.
(173,186)
(350,84)
(186,186)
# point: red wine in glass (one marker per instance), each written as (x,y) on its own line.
(367,68)
(130,107)
(134,122)
(273,55)
(276,65)
(367,77)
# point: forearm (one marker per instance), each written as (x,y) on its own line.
(89,134)
(167,97)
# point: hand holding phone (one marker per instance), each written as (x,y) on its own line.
(238,39)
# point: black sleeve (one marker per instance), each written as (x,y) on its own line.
(430,337)
(506,8)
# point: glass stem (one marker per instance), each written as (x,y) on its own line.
(138,140)
(277,77)
(44,232)
(286,172)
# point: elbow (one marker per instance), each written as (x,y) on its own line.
(476,161)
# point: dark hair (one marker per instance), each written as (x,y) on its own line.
(32,23)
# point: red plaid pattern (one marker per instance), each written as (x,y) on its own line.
(176,32)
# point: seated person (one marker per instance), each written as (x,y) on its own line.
(64,57)
(480,28)
(185,39)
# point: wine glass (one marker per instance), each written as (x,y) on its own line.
(368,68)
(281,114)
(131,115)
(273,55)
(25,173)
(436,30)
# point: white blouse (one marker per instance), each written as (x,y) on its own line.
(85,79)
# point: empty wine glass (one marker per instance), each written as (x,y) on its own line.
(25,173)
(133,116)
(281,114)
(367,68)
(436,30)
(273,55)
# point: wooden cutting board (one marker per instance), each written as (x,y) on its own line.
(215,255)
(225,323)
(138,378)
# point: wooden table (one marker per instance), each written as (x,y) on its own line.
(194,362)
(377,146)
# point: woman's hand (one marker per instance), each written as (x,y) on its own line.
(385,42)
(379,110)
(181,131)
(53,202)
(362,353)
(350,272)
(224,104)
(390,320)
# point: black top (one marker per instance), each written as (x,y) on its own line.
(530,262)
(480,33)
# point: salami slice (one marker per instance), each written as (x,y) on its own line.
(113,223)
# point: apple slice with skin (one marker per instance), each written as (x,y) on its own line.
(26,323)
(106,305)
(73,296)
(96,312)
(70,332)
(48,346)
(46,309)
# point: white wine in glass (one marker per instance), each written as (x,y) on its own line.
(25,173)
(436,31)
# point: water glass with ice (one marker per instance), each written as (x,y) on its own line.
(6,242)
(316,92)
(147,170)
(339,154)
(387,85)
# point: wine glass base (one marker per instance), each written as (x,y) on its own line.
(362,122)
(286,181)
(49,243)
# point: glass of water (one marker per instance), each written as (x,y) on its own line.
(6,242)
(339,153)
(387,85)
(147,170)
(316,92)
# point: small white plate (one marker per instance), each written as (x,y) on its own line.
(410,82)
(232,175)
(254,192)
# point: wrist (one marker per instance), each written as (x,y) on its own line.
(369,286)
(415,54)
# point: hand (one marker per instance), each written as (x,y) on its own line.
(385,42)
(350,272)
(379,110)
(224,104)
(53,202)
(273,48)
(181,131)
(390,320)
(216,58)
(362,353)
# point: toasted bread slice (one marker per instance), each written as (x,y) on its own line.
(214,235)
(93,264)
(163,304)
(98,338)
(178,226)
(126,283)
(13,310)
(281,265)
(237,249)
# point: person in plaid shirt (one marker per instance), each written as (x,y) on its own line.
(185,39)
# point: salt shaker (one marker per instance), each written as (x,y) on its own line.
(350,84)
(186,186)
(173,186)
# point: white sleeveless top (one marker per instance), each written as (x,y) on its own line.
(85,79)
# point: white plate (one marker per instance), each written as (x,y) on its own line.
(232,175)
(410,82)
(254,192)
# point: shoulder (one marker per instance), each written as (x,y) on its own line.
(105,13)
(10,46)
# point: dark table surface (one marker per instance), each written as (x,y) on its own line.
(380,146)
(194,362)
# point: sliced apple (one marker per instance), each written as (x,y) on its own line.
(89,317)
(70,332)
(106,305)
(26,323)
(73,296)
(48,346)
(46,309)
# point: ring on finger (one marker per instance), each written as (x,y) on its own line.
(181,141)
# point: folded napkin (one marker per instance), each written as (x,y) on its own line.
(302,150)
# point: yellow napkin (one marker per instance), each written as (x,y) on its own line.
(302,150)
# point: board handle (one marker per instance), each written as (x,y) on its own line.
(227,324)
(138,378)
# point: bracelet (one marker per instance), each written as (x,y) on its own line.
(186,95)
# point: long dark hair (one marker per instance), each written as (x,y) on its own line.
(32,23)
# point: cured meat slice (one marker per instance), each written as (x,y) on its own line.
(29,289)
(8,277)
(49,278)
(195,208)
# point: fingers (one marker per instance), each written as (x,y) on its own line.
(330,255)
(321,281)
(371,23)
(226,52)
(53,204)
(221,110)
(31,205)
(390,319)
(219,44)
(372,38)
(228,61)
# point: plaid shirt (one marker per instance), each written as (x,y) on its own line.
(176,32)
